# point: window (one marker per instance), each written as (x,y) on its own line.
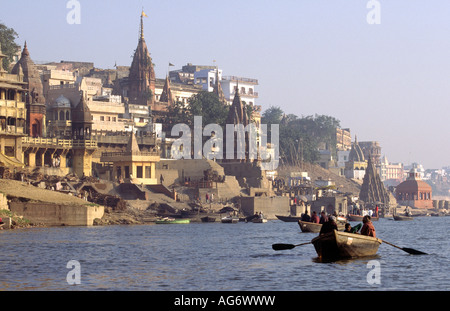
(139,171)
(148,172)
(102,118)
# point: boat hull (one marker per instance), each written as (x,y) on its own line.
(352,217)
(229,220)
(259,220)
(289,218)
(402,218)
(315,228)
(208,219)
(340,245)
(173,221)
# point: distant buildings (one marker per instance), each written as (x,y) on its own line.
(414,192)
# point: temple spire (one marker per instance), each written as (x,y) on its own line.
(142,24)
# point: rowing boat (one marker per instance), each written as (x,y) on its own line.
(289,218)
(208,219)
(338,245)
(168,220)
(306,226)
(402,217)
(259,220)
(229,220)
(352,217)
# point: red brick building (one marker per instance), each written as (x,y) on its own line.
(414,192)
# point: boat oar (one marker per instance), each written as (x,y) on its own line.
(411,251)
(280,246)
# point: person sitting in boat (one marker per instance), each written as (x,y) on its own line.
(314,218)
(368,228)
(305,217)
(323,218)
(329,226)
(407,211)
(350,229)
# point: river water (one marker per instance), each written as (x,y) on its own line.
(218,257)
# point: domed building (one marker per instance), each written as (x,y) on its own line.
(414,192)
(356,165)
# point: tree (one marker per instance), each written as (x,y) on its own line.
(8,44)
(300,137)
(208,106)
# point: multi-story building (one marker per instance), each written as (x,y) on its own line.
(343,139)
(13,115)
(391,173)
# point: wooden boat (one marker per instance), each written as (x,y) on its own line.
(309,226)
(168,220)
(402,217)
(306,226)
(208,219)
(339,245)
(259,220)
(352,217)
(229,220)
(289,218)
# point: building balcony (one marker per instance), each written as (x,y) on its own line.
(128,156)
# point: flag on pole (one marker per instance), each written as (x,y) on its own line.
(144,15)
(170,64)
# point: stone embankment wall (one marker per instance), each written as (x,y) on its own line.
(52,214)
(269,206)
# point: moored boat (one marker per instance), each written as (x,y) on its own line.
(306,226)
(402,217)
(339,245)
(229,220)
(289,218)
(352,217)
(259,220)
(168,220)
(208,219)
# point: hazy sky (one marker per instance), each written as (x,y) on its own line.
(387,82)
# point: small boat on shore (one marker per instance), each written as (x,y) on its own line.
(229,220)
(208,219)
(352,217)
(402,217)
(306,226)
(168,220)
(339,245)
(289,218)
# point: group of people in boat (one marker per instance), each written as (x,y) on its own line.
(314,218)
(329,223)
(367,227)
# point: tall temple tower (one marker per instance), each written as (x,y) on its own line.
(83,144)
(142,80)
(34,97)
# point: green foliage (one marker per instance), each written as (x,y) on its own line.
(204,104)
(300,137)
(9,47)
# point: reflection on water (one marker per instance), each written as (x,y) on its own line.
(214,256)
